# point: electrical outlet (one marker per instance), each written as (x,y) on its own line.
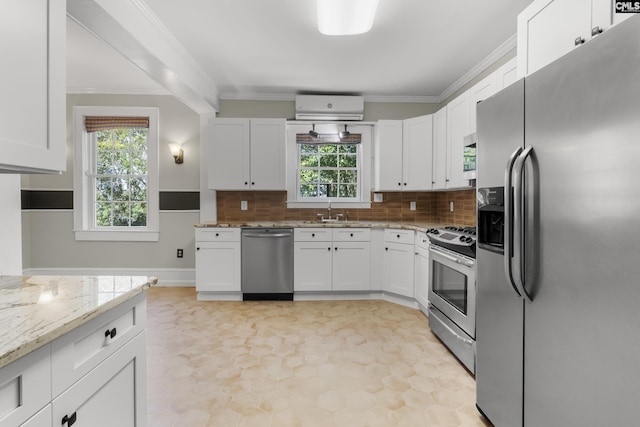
(412,206)
(244,205)
(377,197)
(180,253)
(450,206)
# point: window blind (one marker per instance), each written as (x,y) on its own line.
(328,138)
(98,123)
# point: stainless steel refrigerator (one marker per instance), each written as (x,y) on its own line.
(558,258)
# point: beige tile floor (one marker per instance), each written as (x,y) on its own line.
(282,364)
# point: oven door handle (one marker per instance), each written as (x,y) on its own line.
(518,222)
(449,257)
(508,219)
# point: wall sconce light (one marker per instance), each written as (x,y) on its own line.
(177,152)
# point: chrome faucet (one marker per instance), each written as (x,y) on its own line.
(329,209)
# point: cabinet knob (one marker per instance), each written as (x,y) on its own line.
(313,234)
(578,41)
(217,234)
(398,236)
(197,249)
(595,31)
(386,249)
(328,249)
(399,183)
(336,249)
(351,234)
(246,183)
(110,333)
(69,420)
(253,183)
(405,183)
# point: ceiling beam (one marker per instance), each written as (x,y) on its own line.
(132,29)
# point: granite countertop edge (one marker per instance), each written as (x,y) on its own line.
(418,226)
(50,333)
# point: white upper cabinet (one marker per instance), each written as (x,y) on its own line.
(458,126)
(247,154)
(402,157)
(479,92)
(506,74)
(33,86)
(439,164)
(548,29)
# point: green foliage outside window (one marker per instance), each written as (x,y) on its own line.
(328,170)
(121,178)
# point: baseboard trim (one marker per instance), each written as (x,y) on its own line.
(177,277)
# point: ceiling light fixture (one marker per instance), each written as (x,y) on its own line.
(312,132)
(345,17)
(345,134)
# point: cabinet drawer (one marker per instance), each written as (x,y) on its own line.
(217,234)
(76,353)
(399,236)
(351,234)
(25,387)
(422,241)
(312,235)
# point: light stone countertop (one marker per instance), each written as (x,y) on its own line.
(35,310)
(419,226)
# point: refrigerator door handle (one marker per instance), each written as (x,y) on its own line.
(508,218)
(518,222)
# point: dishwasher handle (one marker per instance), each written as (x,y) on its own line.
(266,234)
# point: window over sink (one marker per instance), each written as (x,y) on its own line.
(326,167)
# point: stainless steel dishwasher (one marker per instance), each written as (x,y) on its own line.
(267,264)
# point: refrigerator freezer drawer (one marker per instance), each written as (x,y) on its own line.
(460,344)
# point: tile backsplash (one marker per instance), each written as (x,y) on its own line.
(395,207)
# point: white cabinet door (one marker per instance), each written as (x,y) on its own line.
(398,269)
(388,155)
(457,128)
(351,266)
(229,162)
(268,157)
(422,277)
(507,74)
(33,85)
(548,29)
(312,266)
(439,163)
(218,267)
(113,394)
(41,419)
(479,92)
(417,143)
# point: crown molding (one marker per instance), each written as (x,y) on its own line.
(502,50)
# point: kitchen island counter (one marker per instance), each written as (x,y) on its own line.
(35,310)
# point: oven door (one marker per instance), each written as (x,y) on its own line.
(452,287)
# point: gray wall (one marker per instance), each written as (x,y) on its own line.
(48,238)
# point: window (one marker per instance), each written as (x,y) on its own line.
(327,167)
(116,178)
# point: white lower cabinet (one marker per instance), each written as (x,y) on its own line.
(113,394)
(422,271)
(41,419)
(335,261)
(399,255)
(92,376)
(218,260)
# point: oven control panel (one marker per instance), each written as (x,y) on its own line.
(458,239)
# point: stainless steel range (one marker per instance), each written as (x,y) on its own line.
(452,290)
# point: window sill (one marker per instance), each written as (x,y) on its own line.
(323,205)
(117,236)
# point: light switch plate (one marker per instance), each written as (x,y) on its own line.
(244,205)
(450,206)
(412,206)
(377,197)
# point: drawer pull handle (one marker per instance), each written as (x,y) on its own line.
(69,420)
(110,333)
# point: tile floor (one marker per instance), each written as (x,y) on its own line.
(281,364)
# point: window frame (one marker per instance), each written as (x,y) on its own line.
(84,193)
(364,161)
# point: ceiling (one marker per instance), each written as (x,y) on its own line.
(418,50)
